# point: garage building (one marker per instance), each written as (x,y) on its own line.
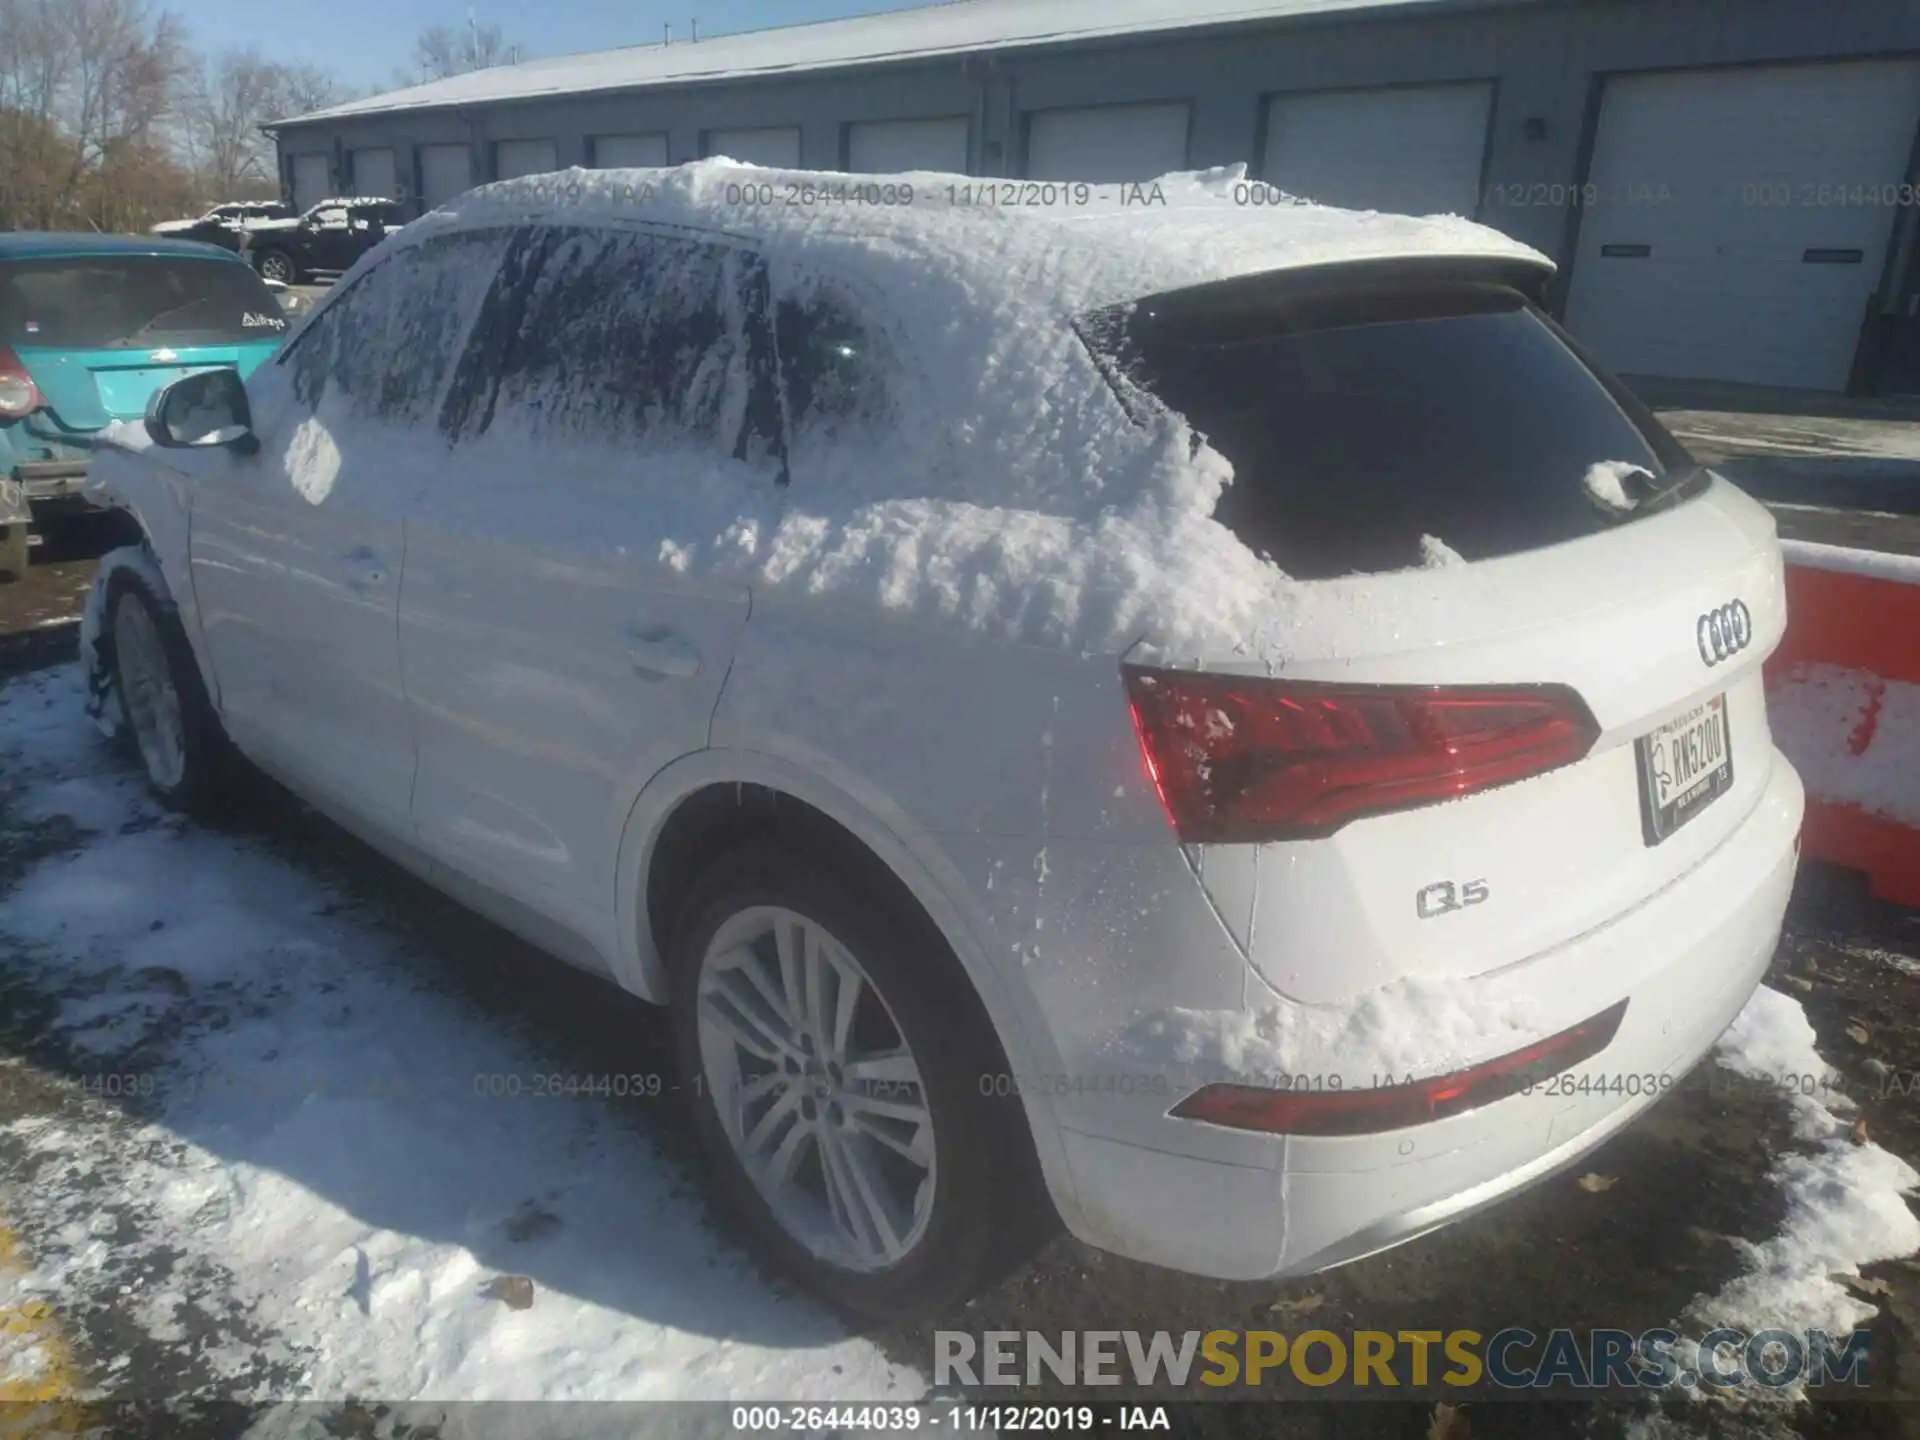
(1729,185)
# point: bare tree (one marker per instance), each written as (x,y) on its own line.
(441,51)
(225,105)
(87,88)
(226,101)
(304,88)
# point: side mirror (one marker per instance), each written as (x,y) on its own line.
(201,411)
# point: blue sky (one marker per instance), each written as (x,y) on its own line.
(364,41)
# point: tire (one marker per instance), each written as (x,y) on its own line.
(277,265)
(169,721)
(13,552)
(976,1196)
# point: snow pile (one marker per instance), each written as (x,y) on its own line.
(1436,554)
(1854,737)
(325,1137)
(1846,1202)
(1409,1027)
(999,483)
(1607,483)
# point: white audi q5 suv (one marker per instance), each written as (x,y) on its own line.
(1205,717)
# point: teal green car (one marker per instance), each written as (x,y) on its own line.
(90,327)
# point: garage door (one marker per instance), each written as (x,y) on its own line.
(514,158)
(777,146)
(615,152)
(1107,143)
(1414,149)
(1736,231)
(373,173)
(886,147)
(312,181)
(445,171)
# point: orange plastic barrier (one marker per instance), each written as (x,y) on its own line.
(1857,634)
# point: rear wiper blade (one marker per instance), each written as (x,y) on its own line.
(165,315)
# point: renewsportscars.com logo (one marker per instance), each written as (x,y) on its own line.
(1510,1359)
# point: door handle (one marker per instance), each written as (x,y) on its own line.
(662,654)
(365,569)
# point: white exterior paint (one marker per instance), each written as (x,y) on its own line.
(311,184)
(1107,143)
(528,701)
(1414,149)
(445,171)
(777,146)
(886,147)
(618,152)
(374,173)
(1729,177)
(514,158)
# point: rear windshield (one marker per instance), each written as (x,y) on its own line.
(115,302)
(1363,419)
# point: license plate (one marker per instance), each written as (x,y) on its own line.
(1685,766)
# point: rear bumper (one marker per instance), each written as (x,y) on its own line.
(54,487)
(1687,961)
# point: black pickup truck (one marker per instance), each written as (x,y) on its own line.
(326,240)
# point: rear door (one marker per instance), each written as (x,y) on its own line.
(297,551)
(564,633)
(1463,502)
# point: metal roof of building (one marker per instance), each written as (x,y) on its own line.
(956,28)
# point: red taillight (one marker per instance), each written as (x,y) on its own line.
(1246,758)
(19,396)
(1395,1107)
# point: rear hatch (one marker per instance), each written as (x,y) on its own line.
(99,334)
(1525,691)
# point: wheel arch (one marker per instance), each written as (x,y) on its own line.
(147,504)
(698,805)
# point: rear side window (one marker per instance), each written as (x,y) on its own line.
(1361,420)
(134,302)
(615,337)
(387,344)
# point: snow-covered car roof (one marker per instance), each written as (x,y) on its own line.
(1004,481)
(1076,246)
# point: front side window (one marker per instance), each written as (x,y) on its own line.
(134,301)
(1360,418)
(385,347)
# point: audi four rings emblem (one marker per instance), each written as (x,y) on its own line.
(1724,632)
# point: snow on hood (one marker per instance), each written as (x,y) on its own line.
(172,227)
(1011,490)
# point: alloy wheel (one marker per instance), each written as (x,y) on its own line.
(148,694)
(818,1092)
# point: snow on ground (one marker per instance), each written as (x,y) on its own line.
(324,1133)
(1846,1201)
